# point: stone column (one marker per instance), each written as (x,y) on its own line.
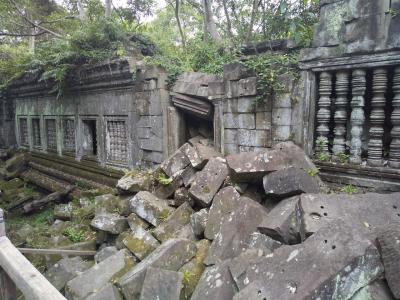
(394,155)
(357,117)
(377,118)
(324,113)
(342,89)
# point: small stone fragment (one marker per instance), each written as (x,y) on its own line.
(140,242)
(198,220)
(161,284)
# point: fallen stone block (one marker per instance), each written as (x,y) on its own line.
(171,255)
(262,242)
(140,242)
(99,275)
(186,233)
(65,270)
(283,222)
(112,223)
(182,195)
(134,220)
(224,203)
(188,175)
(389,246)
(110,203)
(165,191)
(193,155)
(105,253)
(135,181)
(150,208)
(367,212)
(108,292)
(194,268)
(334,263)
(64,211)
(377,290)
(289,182)
(161,284)
(175,163)
(208,181)
(175,222)
(198,221)
(235,231)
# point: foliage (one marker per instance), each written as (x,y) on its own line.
(349,189)
(75,235)
(163,179)
(313,172)
(343,157)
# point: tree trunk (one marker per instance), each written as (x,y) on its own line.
(209,24)
(228,20)
(253,16)
(178,21)
(82,14)
(108,8)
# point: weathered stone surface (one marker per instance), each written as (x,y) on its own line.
(134,220)
(235,231)
(193,269)
(161,284)
(283,222)
(176,221)
(165,191)
(225,202)
(215,283)
(236,71)
(377,290)
(140,242)
(262,242)
(105,253)
(181,196)
(367,212)
(188,175)
(65,270)
(135,182)
(108,292)
(110,203)
(64,211)
(248,166)
(112,223)
(96,277)
(198,221)
(389,245)
(208,181)
(337,262)
(289,182)
(150,208)
(171,255)
(193,155)
(175,163)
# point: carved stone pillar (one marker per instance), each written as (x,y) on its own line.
(324,113)
(394,155)
(357,117)
(377,118)
(342,88)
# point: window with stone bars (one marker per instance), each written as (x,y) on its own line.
(23,131)
(69,135)
(36,133)
(117,148)
(51,134)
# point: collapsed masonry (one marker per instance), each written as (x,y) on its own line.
(256,225)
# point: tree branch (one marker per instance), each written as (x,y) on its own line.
(21,34)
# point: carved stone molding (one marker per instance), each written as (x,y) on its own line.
(324,114)
(342,89)
(377,118)
(394,155)
(357,117)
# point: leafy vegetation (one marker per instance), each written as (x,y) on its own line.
(163,179)
(75,235)
(349,189)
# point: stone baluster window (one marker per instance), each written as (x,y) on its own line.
(394,155)
(116,139)
(69,135)
(36,133)
(23,131)
(324,113)
(51,134)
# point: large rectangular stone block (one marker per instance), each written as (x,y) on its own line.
(236,120)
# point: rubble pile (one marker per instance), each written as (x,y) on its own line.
(255,225)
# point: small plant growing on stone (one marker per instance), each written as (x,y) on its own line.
(349,189)
(343,157)
(322,156)
(163,179)
(313,172)
(187,275)
(75,235)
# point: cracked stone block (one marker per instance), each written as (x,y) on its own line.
(194,269)
(140,242)
(224,203)
(105,253)
(175,222)
(283,222)
(208,181)
(65,270)
(215,283)
(161,284)
(236,228)
(289,182)
(198,221)
(377,290)
(367,212)
(175,163)
(136,182)
(389,245)
(108,292)
(99,275)
(112,223)
(150,208)
(262,242)
(171,255)
(193,155)
(334,263)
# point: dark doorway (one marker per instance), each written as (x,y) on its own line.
(89,138)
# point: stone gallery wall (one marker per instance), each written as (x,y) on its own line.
(7,114)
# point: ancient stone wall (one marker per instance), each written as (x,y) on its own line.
(7,138)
